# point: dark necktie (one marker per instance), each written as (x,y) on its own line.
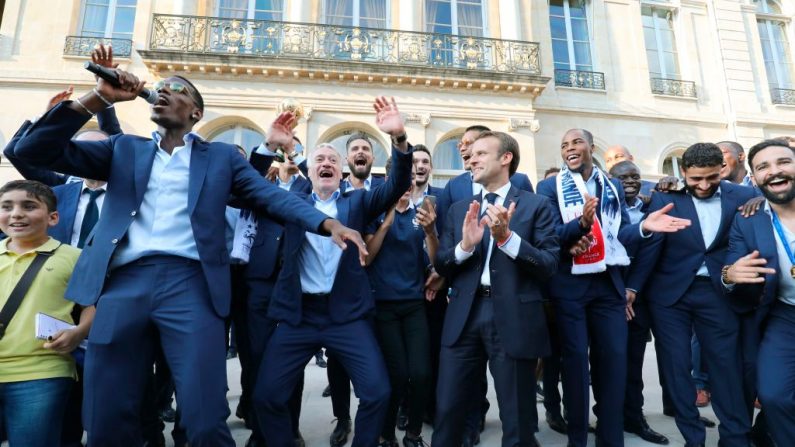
(91,215)
(491,198)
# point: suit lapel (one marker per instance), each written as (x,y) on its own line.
(199,160)
(143,169)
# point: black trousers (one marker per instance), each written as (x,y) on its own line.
(340,384)
(402,331)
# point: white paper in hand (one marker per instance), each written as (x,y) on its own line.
(47,326)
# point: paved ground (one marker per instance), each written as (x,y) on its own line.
(316,418)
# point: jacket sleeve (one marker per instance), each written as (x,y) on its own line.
(568,233)
(383,196)
(738,247)
(108,123)
(540,256)
(28,171)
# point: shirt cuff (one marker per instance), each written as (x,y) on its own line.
(640,229)
(728,287)
(512,245)
(263,150)
(298,159)
(461,255)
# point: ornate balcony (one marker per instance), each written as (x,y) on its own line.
(330,52)
(673,87)
(82,46)
(782,96)
(580,79)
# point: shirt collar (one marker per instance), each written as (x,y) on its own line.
(501,192)
(333,198)
(367,183)
(85,188)
(289,182)
(636,204)
(714,196)
(189,138)
(50,245)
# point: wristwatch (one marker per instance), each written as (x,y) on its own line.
(400,139)
(724,274)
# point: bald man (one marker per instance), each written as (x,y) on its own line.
(616,154)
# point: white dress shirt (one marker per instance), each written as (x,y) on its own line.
(709,213)
(162,224)
(510,248)
(82,204)
(319,257)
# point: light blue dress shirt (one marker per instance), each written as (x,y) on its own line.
(162,224)
(786,284)
(634,210)
(288,184)
(367,183)
(319,257)
(709,213)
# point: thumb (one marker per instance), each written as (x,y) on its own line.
(666,209)
(511,209)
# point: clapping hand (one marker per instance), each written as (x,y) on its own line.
(498,219)
(588,212)
(472,232)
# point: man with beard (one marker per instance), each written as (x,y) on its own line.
(680,277)
(359,150)
(639,330)
(588,289)
(761,278)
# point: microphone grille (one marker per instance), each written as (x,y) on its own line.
(151,98)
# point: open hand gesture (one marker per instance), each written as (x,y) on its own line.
(103,56)
(750,269)
(387,116)
(280,132)
(472,232)
(59,97)
(660,222)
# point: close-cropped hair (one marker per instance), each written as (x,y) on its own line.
(553,170)
(585,133)
(358,136)
(736,147)
(702,155)
(34,189)
(755,149)
(478,127)
(423,148)
(199,98)
(507,144)
(310,160)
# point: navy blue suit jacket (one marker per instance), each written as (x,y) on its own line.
(68,196)
(125,162)
(564,284)
(667,263)
(746,235)
(351,296)
(516,284)
(460,188)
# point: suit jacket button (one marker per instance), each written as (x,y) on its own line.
(133,213)
(114,241)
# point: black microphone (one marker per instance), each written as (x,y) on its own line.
(110,76)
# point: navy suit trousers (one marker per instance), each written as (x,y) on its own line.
(717,328)
(777,373)
(290,349)
(163,295)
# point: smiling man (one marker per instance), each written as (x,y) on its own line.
(157,260)
(679,275)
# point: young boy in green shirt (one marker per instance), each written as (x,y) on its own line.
(35,375)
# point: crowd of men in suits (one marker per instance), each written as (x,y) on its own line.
(414,291)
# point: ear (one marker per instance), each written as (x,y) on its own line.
(54,217)
(741,157)
(196,115)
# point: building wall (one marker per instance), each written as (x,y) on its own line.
(718,49)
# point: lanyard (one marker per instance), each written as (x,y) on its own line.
(780,231)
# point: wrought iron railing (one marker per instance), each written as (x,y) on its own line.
(274,39)
(673,87)
(580,79)
(782,96)
(83,45)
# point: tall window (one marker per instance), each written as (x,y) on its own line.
(775,46)
(447,161)
(108,18)
(658,33)
(571,43)
(359,13)
(251,9)
(672,162)
(457,17)
(243,136)
(380,153)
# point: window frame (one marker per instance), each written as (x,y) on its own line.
(110,19)
(238,128)
(766,18)
(356,16)
(454,31)
(657,39)
(251,11)
(570,35)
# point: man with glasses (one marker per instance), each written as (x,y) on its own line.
(156,264)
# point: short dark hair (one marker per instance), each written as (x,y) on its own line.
(423,148)
(198,96)
(702,155)
(755,149)
(552,170)
(736,147)
(623,164)
(35,189)
(358,136)
(507,144)
(585,133)
(478,127)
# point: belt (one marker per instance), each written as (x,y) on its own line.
(703,278)
(484,291)
(162,259)
(315,296)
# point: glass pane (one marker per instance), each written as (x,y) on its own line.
(584,67)
(646,16)
(124,20)
(770,67)
(445,155)
(579,30)
(650,38)
(558,27)
(438,16)
(577,8)
(268,9)
(126,2)
(373,13)
(233,9)
(560,51)
(562,66)
(654,61)
(250,139)
(582,53)
(94,19)
(667,40)
(671,65)
(556,7)
(470,20)
(339,12)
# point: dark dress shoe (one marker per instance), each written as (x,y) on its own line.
(327,391)
(253,442)
(471,440)
(557,423)
(319,360)
(298,440)
(389,443)
(486,406)
(534,442)
(402,418)
(339,436)
(646,433)
(414,442)
(709,423)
